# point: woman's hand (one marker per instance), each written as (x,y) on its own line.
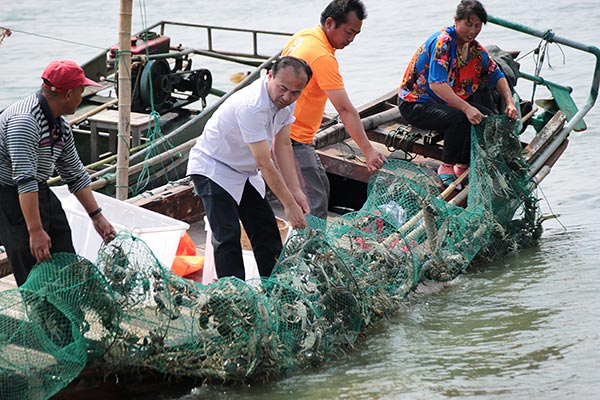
(511,111)
(474,115)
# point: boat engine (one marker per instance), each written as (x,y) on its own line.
(169,88)
(199,82)
(157,82)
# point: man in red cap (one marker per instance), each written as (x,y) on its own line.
(36,140)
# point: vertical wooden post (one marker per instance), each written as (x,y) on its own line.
(124,68)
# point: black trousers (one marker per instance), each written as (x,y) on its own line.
(450,121)
(14,234)
(224,214)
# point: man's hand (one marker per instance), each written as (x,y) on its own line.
(104,228)
(39,244)
(375,159)
(295,216)
(302,201)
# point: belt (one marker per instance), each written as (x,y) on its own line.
(296,143)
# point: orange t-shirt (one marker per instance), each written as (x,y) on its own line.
(312,46)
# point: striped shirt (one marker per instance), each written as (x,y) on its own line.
(30,155)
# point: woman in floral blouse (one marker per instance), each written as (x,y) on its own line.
(440,80)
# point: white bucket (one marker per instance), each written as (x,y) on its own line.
(209,273)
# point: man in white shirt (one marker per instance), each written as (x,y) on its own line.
(248,139)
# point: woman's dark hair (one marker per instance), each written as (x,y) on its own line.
(339,10)
(297,64)
(466,8)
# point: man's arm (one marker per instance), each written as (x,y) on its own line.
(39,241)
(101,224)
(262,155)
(354,127)
(284,156)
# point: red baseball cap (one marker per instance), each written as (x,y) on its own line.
(60,76)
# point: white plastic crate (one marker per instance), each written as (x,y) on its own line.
(159,232)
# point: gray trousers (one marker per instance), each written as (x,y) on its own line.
(313,179)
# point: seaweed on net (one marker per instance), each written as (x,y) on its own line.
(331,283)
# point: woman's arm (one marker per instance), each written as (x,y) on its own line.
(445,92)
(504,89)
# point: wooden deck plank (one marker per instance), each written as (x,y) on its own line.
(4,264)
(13,356)
(347,160)
(7,283)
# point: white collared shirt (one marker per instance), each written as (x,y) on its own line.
(222,153)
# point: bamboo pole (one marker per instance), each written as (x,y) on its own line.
(122,188)
(54,180)
(336,132)
(417,217)
(168,155)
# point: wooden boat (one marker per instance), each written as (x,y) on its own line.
(553,119)
(386,129)
(175,89)
(171,102)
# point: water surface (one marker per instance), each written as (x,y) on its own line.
(524,327)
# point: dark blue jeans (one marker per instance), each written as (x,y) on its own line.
(223,214)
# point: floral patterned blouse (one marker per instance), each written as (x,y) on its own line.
(436,61)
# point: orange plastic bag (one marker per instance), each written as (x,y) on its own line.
(186,261)
(186,246)
(186,265)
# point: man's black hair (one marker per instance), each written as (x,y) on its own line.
(296,63)
(339,10)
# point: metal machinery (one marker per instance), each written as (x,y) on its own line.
(157,83)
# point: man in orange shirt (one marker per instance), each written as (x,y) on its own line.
(341,21)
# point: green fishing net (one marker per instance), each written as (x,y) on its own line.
(332,282)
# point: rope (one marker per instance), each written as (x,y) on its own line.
(52,38)
(539,54)
(154,128)
(550,208)
(406,136)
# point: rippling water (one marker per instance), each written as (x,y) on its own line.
(525,327)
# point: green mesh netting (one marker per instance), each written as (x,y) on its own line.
(332,281)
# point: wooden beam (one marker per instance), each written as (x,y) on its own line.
(4,265)
(178,202)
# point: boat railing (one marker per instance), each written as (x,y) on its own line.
(575,116)
(98,68)
(211,29)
